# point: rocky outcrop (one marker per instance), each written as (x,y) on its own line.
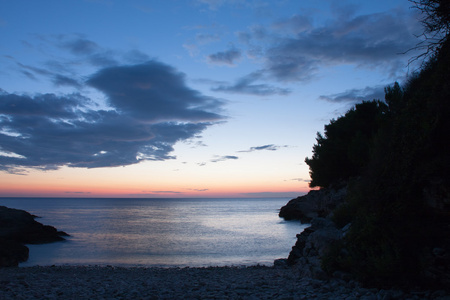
(317,203)
(312,244)
(18,227)
(315,241)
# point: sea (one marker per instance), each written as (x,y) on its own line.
(161,232)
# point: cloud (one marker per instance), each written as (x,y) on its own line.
(295,24)
(296,49)
(203,38)
(356,95)
(35,70)
(224,158)
(274,194)
(85,50)
(154,92)
(78,193)
(195,144)
(60,80)
(270,147)
(151,110)
(57,79)
(300,179)
(245,85)
(199,190)
(80,46)
(165,192)
(225,57)
(136,56)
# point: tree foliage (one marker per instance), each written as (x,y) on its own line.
(396,161)
(343,151)
(436,23)
(394,224)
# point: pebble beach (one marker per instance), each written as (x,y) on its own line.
(258,282)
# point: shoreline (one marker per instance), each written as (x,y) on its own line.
(252,282)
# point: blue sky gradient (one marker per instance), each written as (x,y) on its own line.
(195,98)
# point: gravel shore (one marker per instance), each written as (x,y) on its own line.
(94,282)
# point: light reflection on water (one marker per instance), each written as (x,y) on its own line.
(162,232)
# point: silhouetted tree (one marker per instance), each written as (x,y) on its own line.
(436,24)
(398,207)
(343,151)
(394,97)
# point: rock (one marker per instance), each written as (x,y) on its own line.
(312,244)
(18,227)
(280,263)
(12,252)
(317,203)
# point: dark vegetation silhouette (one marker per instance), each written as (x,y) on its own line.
(395,159)
(344,149)
(436,23)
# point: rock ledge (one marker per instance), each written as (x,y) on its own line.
(18,227)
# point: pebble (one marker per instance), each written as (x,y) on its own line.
(258,282)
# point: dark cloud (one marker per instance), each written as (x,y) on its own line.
(61,80)
(356,95)
(226,57)
(246,85)
(61,72)
(371,41)
(35,70)
(29,75)
(270,147)
(152,109)
(84,49)
(80,46)
(57,79)
(224,158)
(165,192)
(154,92)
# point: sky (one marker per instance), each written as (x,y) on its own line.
(190,98)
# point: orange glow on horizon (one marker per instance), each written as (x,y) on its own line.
(147,181)
(123,192)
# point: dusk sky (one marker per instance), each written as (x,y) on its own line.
(193,98)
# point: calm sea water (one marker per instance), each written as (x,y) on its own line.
(161,232)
